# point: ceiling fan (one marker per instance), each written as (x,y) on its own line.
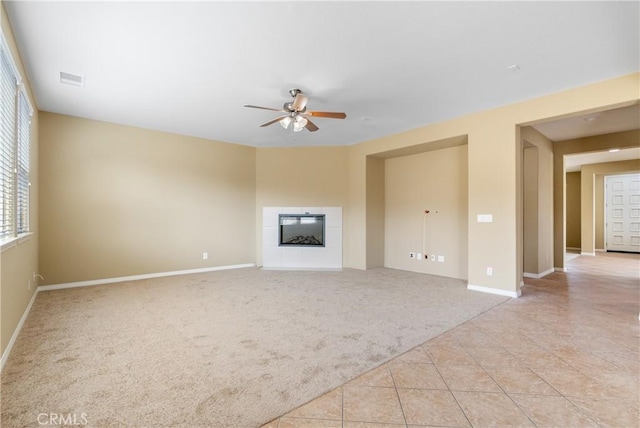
(296,113)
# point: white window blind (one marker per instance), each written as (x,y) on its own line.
(22,163)
(8,90)
(15,136)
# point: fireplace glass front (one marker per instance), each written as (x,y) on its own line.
(304,230)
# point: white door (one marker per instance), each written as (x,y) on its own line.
(622,196)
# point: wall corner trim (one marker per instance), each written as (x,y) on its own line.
(16,332)
(498,291)
(137,277)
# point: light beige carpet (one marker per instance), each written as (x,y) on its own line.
(222,349)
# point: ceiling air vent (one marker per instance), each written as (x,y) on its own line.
(71,79)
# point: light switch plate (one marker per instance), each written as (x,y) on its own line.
(485,218)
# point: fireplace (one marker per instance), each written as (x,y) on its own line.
(281,224)
(301,230)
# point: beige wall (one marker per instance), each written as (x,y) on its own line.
(599,211)
(530,210)
(298,177)
(493,152)
(435,181)
(18,263)
(581,145)
(588,196)
(538,242)
(356,250)
(376,215)
(573,210)
(119,201)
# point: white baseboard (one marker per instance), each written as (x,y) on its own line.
(304,269)
(538,275)
(546,272)
(16,332)
(497,291)
(559,269)
(138,277)
(597,250)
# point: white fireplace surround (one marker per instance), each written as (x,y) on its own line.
(327,257)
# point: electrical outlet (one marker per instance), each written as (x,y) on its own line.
(441,259)
(419,255)
(489,271)
(205,256)
(433,257)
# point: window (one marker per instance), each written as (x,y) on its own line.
(15,135)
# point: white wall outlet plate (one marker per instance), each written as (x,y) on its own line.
(419,256)
(433,257)
(489,271)
(205,256)
(441,259)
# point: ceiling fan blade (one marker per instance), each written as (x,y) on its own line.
(329,114)
(299,102)
(263,108)
(271,122)
(311,126)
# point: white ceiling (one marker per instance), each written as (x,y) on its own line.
(592,124)
(588,125)
(188,67)
(574,163)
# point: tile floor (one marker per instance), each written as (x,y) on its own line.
(565,354)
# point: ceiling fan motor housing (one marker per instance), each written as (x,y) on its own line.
(289,107)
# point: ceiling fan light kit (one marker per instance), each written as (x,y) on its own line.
(299,123)
(296,112)
(285,122)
